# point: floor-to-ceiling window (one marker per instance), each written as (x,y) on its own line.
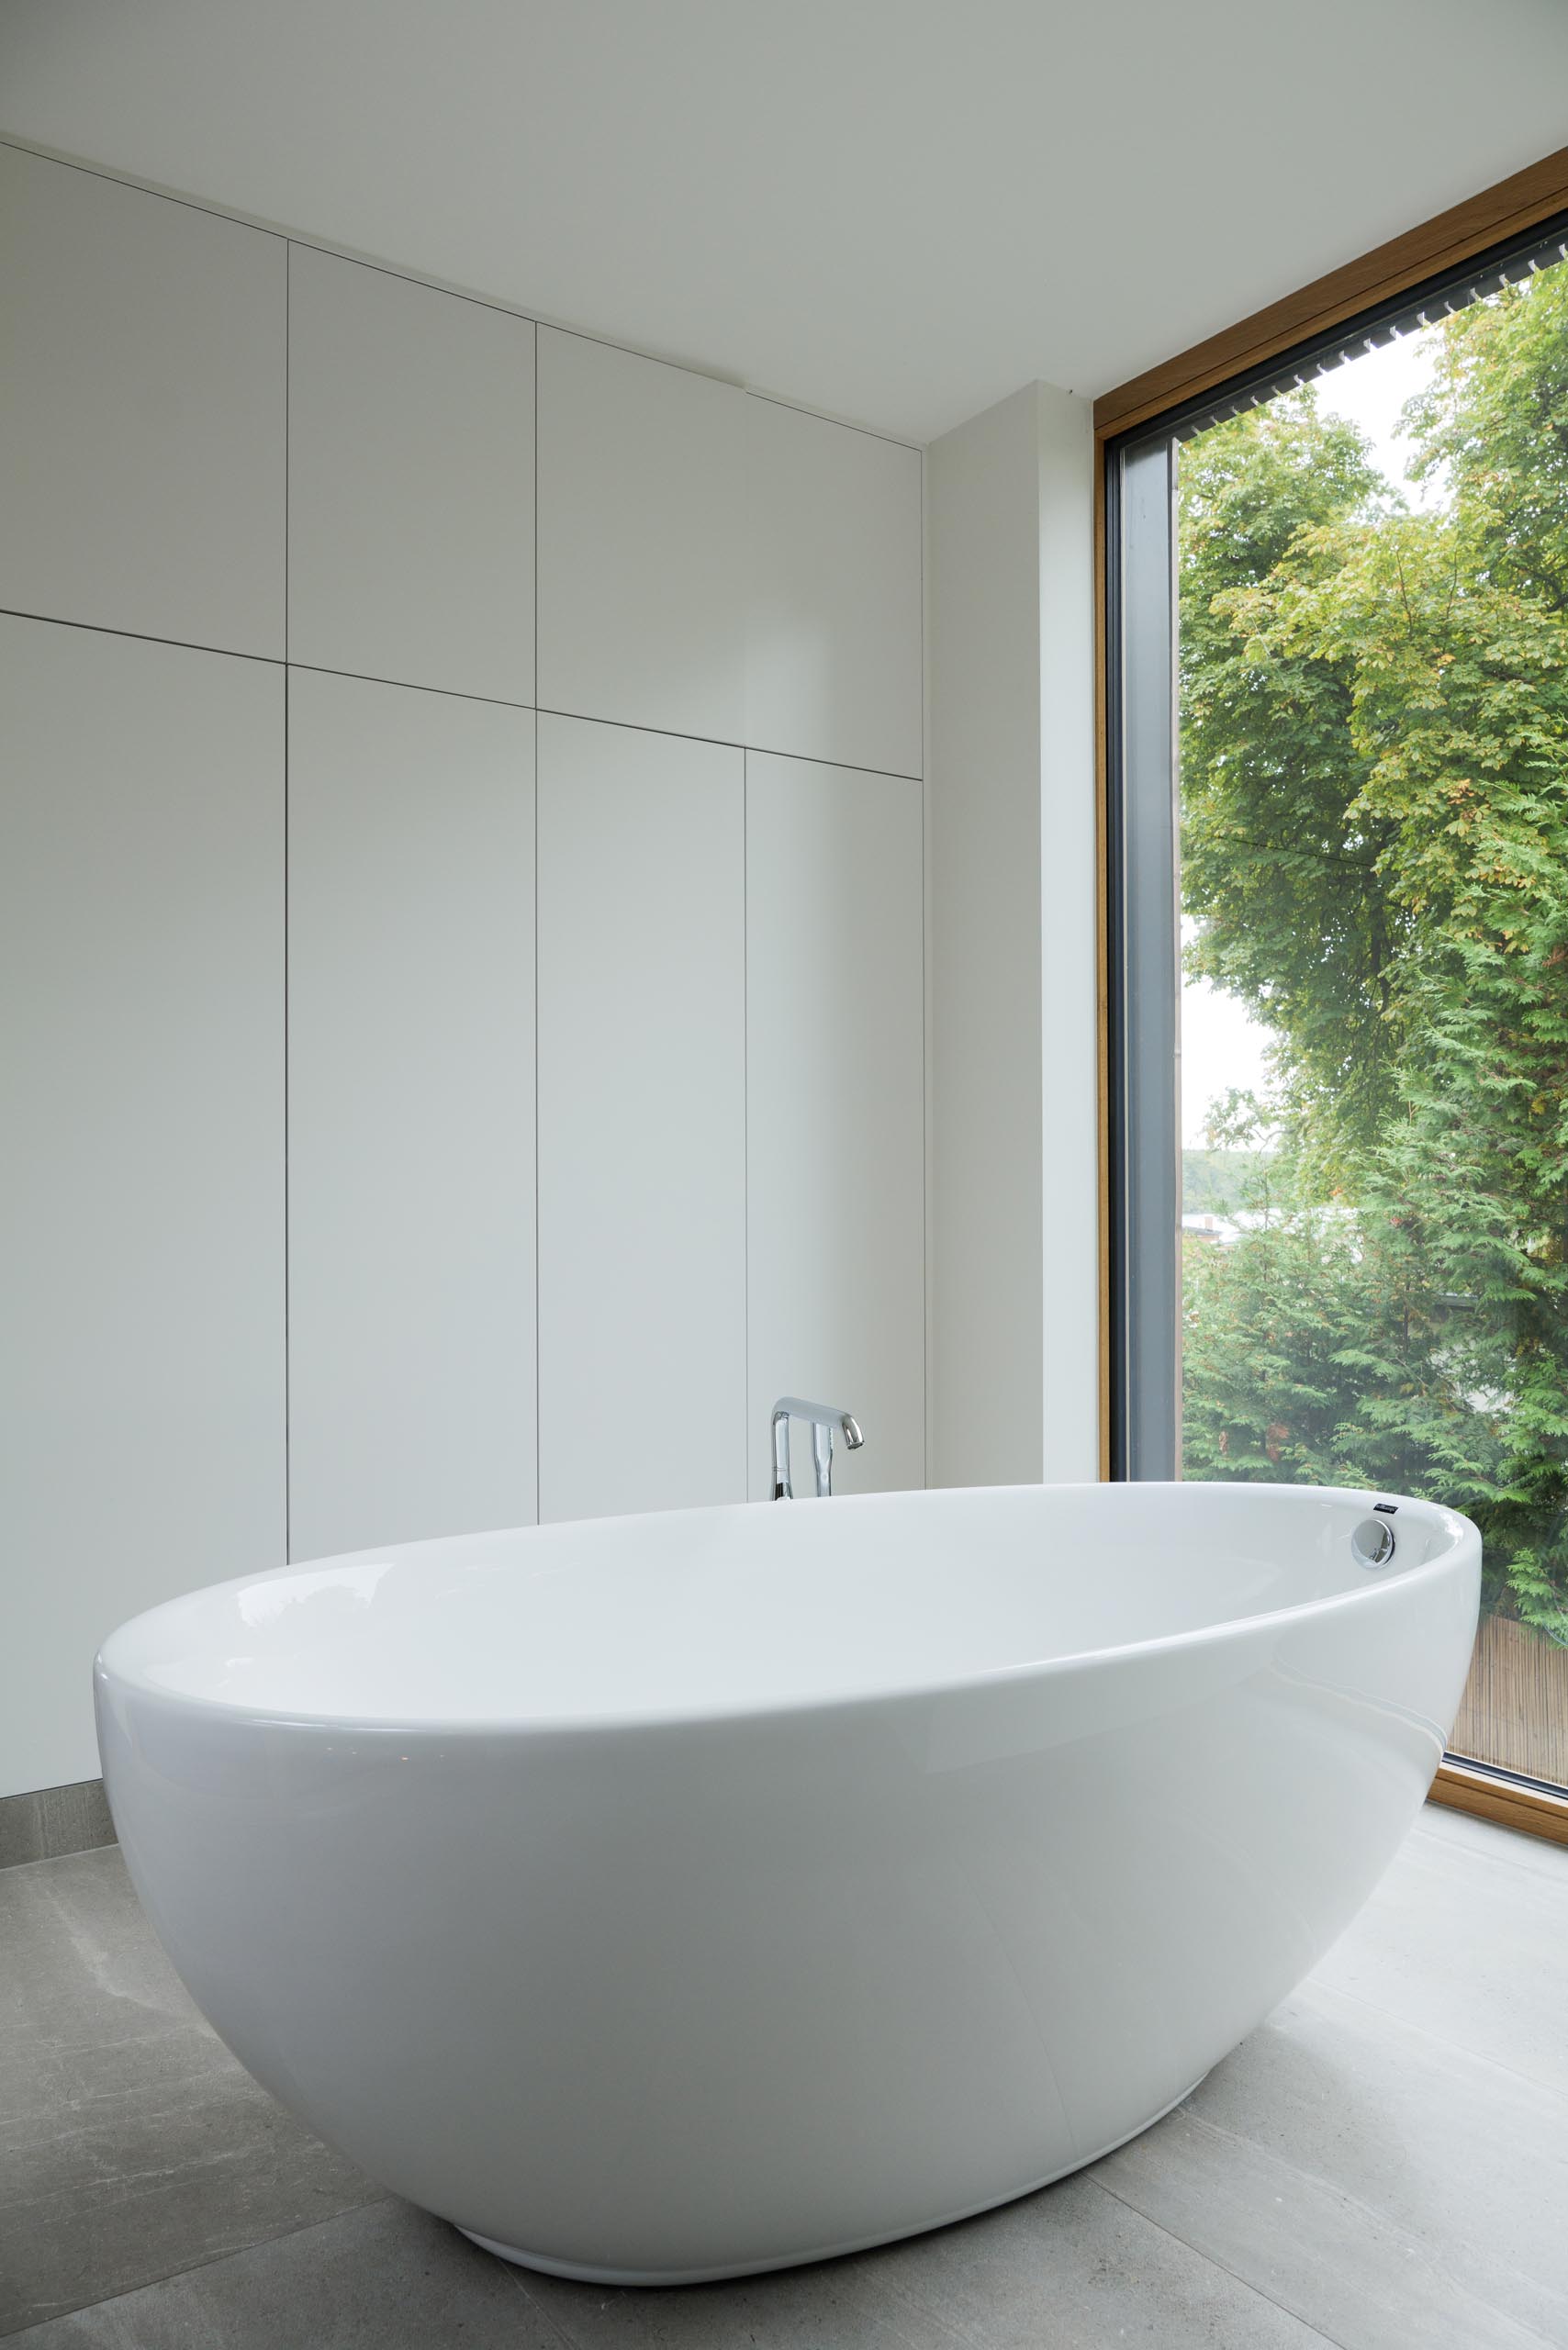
(1339,966)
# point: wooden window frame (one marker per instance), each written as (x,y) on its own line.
(1525,200)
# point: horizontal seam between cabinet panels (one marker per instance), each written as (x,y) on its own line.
(303,238)
(728,743)
(455,693)
(142,636)
(590,718)
(411,686)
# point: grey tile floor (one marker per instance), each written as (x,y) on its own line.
(1382,2166)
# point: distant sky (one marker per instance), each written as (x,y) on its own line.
(1371,391)
(1222,1045)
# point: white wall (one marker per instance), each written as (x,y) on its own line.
(1014,1207)
(145,366)
(722,689)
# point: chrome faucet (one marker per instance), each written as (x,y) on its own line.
(825,1418)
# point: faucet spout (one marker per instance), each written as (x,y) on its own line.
(825,1418)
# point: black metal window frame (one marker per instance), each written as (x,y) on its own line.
(1141,817)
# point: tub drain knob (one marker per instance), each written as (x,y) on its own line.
(1371,1544)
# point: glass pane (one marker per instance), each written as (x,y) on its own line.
(1373,802)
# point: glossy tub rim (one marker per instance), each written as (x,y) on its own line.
(1459,1531)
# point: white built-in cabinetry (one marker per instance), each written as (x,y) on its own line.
(641,1120)
(410,481)
(142,360)
(552,1256)
(642,540)
(141,969)
(836,1109)
(833,592)
(410,1113)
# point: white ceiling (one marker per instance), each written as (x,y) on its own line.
(895,211)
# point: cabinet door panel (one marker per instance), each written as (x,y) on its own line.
(411,1141)
(141,411)
(642,540)
(834,622)
(642,1121)
(141,969)
(410,481)
(835,1118)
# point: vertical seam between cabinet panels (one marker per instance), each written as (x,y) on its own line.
(538,1153)
(538,1162)
(746,1116)
(288,1255)
(534,697)
(925,1270)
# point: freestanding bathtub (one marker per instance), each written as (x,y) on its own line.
(664,1898)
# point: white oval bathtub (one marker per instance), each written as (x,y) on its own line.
(664,1898)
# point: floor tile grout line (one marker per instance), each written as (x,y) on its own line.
(9,1869)
(1223,2267)
(1259,2154)
(1507,1860)
(962,2332)
(1556,2090)
(892,2286)
(1438,2038)
(194,2267)
(959,2336)
(568,2337)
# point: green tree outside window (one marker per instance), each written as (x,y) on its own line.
(1375,797)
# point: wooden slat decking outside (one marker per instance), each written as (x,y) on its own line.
(1514,1712)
